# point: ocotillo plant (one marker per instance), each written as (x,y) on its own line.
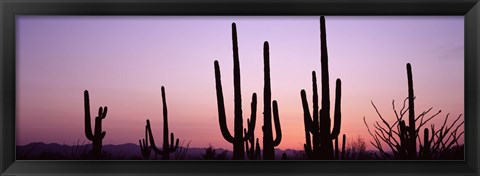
(97,136)
(401,137)
(268,142)
(167,147)
(238,138)
(145,149)
(322,147)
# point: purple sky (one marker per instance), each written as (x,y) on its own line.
(123,62)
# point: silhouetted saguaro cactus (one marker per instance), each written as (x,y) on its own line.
(412,141)
(401,137)
(167,147)
(253,151)
(268,142)
(322,147)
(408,133)
(238,138)
(311,126)
(426,147)
(145,149)
(97,136)
(337,151)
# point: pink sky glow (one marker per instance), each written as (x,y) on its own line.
(124,61)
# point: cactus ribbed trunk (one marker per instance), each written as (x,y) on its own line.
(97,136)
(238,138)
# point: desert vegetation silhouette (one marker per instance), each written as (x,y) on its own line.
(253,152)
(317,125)
(167,147)
(97,136)
(401,138)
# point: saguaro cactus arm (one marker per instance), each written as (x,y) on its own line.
(337,114)
(173,148)
(276,119)
(253,117)
(307,122)
(102,113)
(88,127)
(152,139)
(144,147)
(221,105)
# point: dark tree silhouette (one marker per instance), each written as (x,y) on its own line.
(98,134)
(238,138)
(322,147)
(167,147)
(402,139)
(268,142)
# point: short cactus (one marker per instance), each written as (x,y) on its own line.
(145,149)
(97,136)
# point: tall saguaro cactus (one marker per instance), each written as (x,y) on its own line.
(97,136)
(322,147)
(238,138)
(408,133)
(268,142)
(167,147)
(412,147)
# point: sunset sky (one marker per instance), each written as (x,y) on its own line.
(124,61)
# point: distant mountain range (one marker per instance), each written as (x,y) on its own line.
(128,151)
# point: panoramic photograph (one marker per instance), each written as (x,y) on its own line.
(240,88)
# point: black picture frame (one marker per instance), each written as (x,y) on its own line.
(9,9)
